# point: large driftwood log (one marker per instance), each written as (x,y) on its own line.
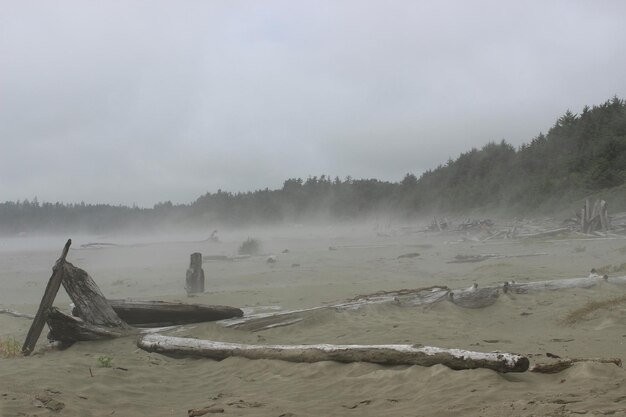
(162,313)
(381,354)
(54,283)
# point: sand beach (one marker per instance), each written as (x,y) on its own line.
(308,274)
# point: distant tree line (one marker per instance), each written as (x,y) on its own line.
(581,153)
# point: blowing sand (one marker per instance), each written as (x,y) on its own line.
(140,383)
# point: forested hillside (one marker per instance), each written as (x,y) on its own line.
(581,154)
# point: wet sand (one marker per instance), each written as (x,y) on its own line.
(141,383)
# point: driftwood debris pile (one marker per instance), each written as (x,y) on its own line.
(592,221)
(97,318)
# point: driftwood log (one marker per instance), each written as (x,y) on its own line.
(381,354)
(16,313)
(545,233)
(557,284)
(162,313)
(564,363)
(266,321)
(475,297)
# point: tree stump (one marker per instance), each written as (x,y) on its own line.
(195,275)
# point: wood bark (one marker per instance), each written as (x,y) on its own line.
(194,281)
(54,283)
(381,354)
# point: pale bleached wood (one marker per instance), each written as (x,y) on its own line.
(380,354)
(544,233)
(557,284)
(16,313)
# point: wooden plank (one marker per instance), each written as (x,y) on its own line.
(54,283)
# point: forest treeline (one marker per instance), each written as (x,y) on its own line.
(581,154)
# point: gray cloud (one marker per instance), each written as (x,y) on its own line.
(145,101)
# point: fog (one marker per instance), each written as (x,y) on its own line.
(141,102)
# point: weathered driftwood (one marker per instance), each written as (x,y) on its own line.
(194,280)
(16,313)
(409,255)
(265,321)
(546,233)
(91,305)
(562,364)
(475,297)
(162,313)
(97,320)
(98,245)
(557,284)
(197,412)
(483,257)
(381,354)
(594,219)
(46,302)
(69,329)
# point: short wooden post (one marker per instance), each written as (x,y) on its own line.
(195,275)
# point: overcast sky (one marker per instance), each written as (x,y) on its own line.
(126,102)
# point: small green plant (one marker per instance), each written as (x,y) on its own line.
(249,247)
(104,361)
(10,348)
